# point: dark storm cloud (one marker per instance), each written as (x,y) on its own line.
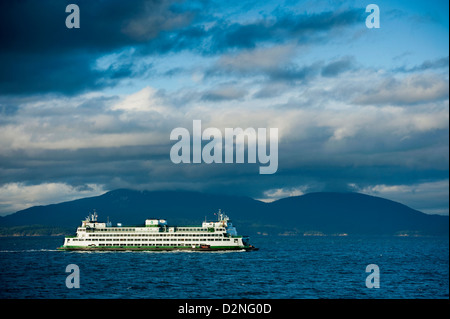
(93,165)
(39,26)
(39,54)
(64,73)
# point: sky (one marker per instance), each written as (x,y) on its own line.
(87,110)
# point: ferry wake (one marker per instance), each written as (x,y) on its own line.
(157,235)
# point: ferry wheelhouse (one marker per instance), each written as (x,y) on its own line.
(157,235)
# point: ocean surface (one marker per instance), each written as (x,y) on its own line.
(283,268)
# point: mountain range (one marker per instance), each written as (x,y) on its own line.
(323,213)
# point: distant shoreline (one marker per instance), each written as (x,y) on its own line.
(34,231)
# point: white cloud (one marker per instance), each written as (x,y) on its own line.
(428,197)
(225,92)
(88,121)
(278,193)
(415,88)
(17,196)
(253,61)
(145,100)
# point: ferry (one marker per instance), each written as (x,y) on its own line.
(157,235)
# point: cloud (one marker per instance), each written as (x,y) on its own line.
(336,67)
(278,193)
(85,121)
(52,58)
(256,60)
(154,19)
(275,68)
(103,27)
(17,196)
(440,63)
(224,92)
(281,26)
(415,88)
(145,100)
(429,197)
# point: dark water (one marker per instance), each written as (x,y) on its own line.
(284,267)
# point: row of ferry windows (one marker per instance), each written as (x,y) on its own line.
(134,229)
(139,245)
(155,235)
(165,239)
